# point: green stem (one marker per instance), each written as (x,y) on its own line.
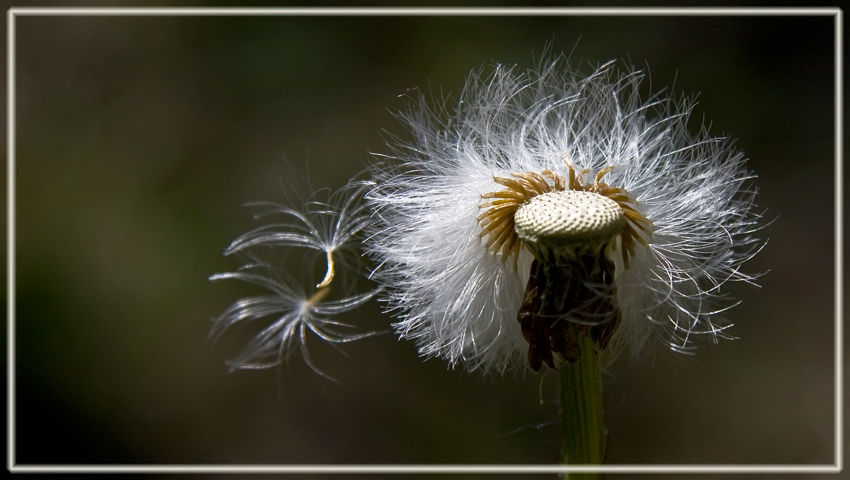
(581,411)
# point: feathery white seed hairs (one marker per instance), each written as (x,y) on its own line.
(538,209)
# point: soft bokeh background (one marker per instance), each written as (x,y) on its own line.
(139,140)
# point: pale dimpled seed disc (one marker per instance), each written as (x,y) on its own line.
(570,217)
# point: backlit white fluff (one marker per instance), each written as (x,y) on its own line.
(459,301)
(330,226)
(293,316)
(327,226)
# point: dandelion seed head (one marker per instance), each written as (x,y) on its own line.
(456,209)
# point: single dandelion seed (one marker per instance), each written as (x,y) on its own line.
(329,226)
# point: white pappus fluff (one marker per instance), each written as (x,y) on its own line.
(329,226)
(458,300)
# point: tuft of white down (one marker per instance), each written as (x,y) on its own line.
(458,301)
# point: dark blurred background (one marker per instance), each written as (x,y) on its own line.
(140,138)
